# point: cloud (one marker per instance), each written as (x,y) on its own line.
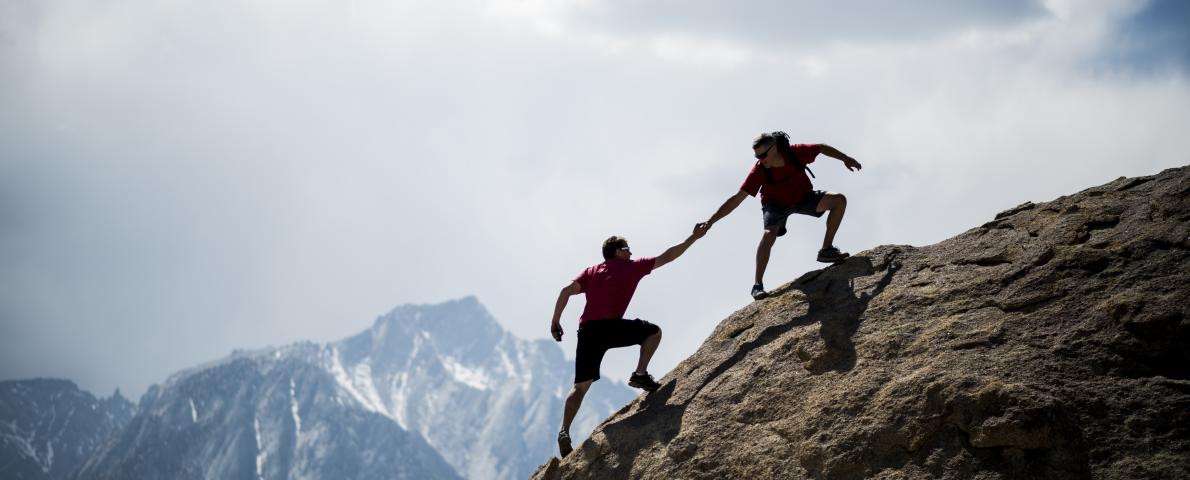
(789,25)
(1156,37)
(181,179)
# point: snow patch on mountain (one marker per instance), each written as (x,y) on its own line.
(471,377)
(293,408)
(357,382)
(261,455)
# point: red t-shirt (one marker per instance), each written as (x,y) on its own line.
(789,182)
(609,286)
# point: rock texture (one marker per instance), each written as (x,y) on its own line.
(1051,342)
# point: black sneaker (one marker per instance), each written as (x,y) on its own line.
(564,444)
(831,255)
(644,382)
(758,292)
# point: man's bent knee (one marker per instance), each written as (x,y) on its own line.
(581,387)
(832,201)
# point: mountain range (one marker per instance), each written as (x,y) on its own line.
(429,391)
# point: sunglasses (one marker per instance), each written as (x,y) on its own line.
(760,156)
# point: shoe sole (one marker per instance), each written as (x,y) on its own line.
(836,260)
(642,387)
(760,296)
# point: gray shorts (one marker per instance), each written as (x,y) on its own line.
(775,214)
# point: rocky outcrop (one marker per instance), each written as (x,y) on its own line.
(1051,342)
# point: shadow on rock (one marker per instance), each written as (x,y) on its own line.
(834,304)
(832,300)
(655,421)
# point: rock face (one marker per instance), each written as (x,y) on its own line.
(49,427)
(1051,342)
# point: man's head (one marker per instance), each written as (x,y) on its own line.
(616,247)
(771,148)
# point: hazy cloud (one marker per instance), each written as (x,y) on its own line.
(180,179)
(1155,37)
(782,25)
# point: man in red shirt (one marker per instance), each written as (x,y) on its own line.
(780,177)
(609,287)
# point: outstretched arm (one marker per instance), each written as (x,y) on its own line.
(676,251)
(563,297)
(727,207)
(849,162)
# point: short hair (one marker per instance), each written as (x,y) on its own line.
(764,139)
(612,244)
(781,139)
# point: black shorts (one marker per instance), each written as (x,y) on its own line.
(775,214)
(595,337)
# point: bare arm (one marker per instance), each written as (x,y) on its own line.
(727,207)
(849,162)
(676,251)
(563,297)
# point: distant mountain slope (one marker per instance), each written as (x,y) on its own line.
(490,402)
(265,415)
(1052,342)
(430,391)
(49,427)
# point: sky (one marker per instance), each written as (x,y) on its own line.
(182,178)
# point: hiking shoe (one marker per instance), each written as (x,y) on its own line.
(831,255)
(644,382)
(564,444)
(758,292)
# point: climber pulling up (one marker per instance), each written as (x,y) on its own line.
(779,175)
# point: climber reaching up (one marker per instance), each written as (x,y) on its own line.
(608,287)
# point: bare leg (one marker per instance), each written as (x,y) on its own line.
(837,204)
(646,352)
(762,252)
(573,401)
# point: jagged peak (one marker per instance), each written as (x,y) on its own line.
(116,397)
(413,312)
(463,320)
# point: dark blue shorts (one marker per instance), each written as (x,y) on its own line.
(596,337)
(775,214)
